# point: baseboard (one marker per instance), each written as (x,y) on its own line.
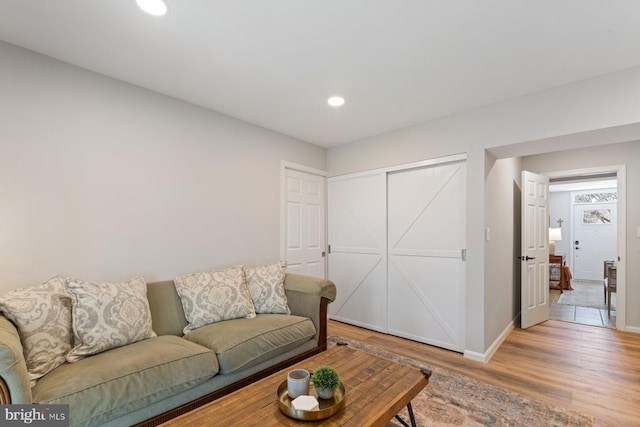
(634,329)
(486,356)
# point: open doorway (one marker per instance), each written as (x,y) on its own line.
(584,208)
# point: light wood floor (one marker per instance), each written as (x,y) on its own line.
(589,369)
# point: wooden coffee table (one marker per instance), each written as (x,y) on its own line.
(376,389)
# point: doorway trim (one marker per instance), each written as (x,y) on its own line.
(621,176)
(284,165)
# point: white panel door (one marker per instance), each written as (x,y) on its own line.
(305,223)
(534,249)
(358,257)
(595,239)
(426,238)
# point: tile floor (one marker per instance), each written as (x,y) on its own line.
(583,315)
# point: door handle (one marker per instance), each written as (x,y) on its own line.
(526,258)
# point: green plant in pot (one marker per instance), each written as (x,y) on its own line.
(326,380)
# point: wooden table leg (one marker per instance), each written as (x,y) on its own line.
(567,277)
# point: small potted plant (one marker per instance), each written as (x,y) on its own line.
(326,380)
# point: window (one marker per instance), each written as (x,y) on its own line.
(596,216)
(596,197)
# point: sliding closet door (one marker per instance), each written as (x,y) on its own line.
(358,257)
(426,238)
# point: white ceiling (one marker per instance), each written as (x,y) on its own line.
(274,63)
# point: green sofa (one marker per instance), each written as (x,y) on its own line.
(151,381)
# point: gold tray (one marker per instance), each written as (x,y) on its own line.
(328,407)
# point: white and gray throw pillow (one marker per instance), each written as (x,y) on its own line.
(214,296)
(108,315)
(266,286)
(42,316)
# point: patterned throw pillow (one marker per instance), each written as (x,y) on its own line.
(266,286)
(108,315)
(214,296)
(42,316)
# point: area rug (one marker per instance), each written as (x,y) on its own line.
(453,399)
(587,294)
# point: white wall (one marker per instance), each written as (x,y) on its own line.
(560,207)
(502,218)
(592,112)
(102,180)
(617,154)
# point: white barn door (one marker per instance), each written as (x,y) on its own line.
(426,240)
(305,223)
(397,239)
(358,253)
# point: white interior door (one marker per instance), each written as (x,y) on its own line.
(305,223)
(595,228)
(358,253)
(426,239)
(534,249)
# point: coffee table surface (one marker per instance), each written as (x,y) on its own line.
(376,389)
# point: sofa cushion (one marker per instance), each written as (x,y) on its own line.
(108,315)
(124,379)
(266,286)
(42,316)
(214,296)
(243,343)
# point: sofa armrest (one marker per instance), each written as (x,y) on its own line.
(310,285)
(309,297)
(14,379)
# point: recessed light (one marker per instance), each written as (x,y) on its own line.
(335,101)
(153,7)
